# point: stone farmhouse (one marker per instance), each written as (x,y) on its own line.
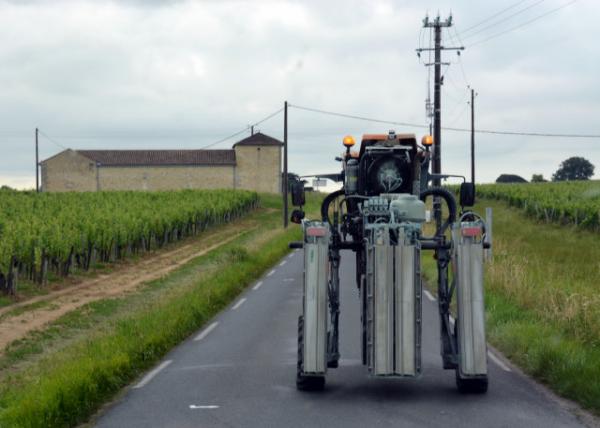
(253,163)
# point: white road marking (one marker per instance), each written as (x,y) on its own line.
(499,362)
(291,255)
(271,273)
(429,295)
(282,263)
(490,354)
(239,303)
(205,332)
(153,373)
(210,406)
(257,286)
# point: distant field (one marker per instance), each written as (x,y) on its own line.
(56,232)
(572,202)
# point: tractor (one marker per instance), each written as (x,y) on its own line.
(380,215)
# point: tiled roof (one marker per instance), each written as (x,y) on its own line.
(160,157)
(259,139)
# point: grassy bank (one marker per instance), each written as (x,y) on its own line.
(108,344)
(543,307)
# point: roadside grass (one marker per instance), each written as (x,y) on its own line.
(84,358)
(542,301)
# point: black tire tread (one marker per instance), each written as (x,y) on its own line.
(471,386)
(303,382)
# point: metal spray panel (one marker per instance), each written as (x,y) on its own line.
(408,311)
(383,281)
(315,305)
(471,308)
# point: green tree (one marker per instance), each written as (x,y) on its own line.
(574,168)
(538,178)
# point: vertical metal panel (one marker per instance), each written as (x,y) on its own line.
(393,305)
(315,305)
(384,309)
(471,310)
(408,310)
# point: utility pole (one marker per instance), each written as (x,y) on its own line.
(251,129)
(436,168)
(37,162)
(472,135)
(285,164)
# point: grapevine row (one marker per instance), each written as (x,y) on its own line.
(571,202)
(56,232)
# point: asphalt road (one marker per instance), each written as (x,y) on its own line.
(239,371)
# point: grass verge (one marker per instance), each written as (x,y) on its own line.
(64,387)
(543,309)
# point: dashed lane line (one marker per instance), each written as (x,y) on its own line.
(282,263)
(429,295)
(271,273)
(257,286)
(499,362)
(153,373)
(239,303)
(205,332)
(209,406)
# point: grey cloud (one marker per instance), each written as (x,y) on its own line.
(185,73)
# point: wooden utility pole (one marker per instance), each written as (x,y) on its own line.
(285,164)
(37,162)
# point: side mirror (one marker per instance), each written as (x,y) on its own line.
(297,216)
(467,194)
(298,198)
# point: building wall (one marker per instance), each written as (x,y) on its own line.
(166,177)
(68,171)
(258,168)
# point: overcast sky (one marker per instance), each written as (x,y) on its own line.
(183,74)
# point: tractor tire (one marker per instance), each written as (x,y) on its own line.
(304,382)
(471,386)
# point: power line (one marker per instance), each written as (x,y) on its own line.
(466,30)
(460,63)
(355,117)
(52,140)
(460,115)
(222,140)
(504,19)
(418,125)
(525,23)
(235,134)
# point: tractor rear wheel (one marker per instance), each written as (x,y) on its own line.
(304,382)
(471,386)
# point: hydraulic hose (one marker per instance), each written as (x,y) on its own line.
(448,197)
(327,201)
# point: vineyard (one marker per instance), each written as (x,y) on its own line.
(57,232)
(568,202)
